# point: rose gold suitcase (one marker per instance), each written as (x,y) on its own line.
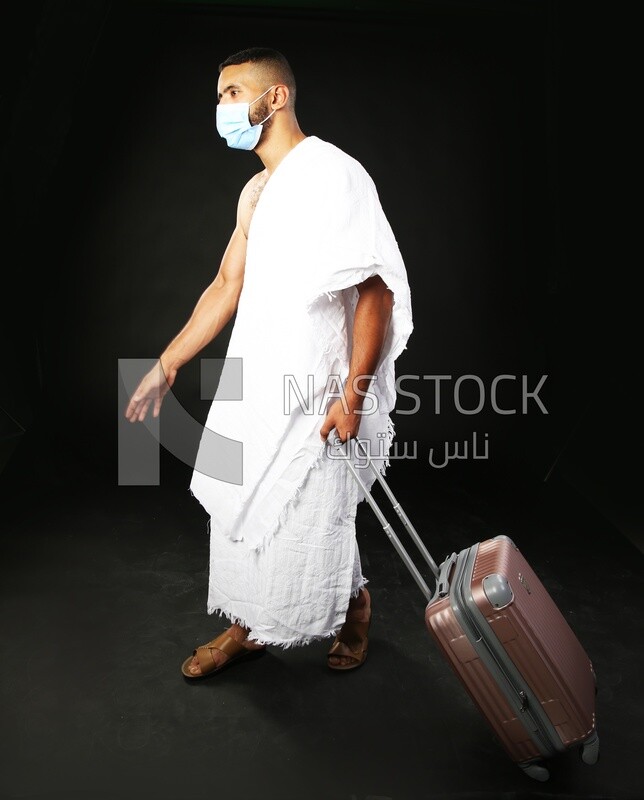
(507,642)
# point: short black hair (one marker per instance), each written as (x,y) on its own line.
(270,61)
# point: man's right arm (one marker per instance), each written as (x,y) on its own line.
(213,310)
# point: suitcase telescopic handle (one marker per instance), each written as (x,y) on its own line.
(391,535)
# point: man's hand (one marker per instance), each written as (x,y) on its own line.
(345,424)
(154,386)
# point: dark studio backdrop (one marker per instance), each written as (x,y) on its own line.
(484,127)
(498,135)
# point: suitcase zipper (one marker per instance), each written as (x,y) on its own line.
(518,695)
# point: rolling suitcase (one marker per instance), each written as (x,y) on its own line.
(506,640)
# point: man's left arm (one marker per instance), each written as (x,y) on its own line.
(371,321)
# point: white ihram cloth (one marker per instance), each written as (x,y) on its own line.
(284,558)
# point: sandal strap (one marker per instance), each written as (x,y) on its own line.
(354,634)
(339,648)
(224,642)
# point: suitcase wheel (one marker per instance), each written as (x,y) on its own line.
(535,770)
(590,749)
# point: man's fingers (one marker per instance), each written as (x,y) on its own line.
(144,409)
(343,435)
(132,410)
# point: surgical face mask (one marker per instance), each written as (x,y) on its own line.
(233,124)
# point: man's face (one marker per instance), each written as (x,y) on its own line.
(239,83)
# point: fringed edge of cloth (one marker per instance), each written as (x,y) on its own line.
(315,464)
(268,535)
(300,641)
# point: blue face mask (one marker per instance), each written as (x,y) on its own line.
(233,124)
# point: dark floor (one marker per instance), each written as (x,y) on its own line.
(104,591)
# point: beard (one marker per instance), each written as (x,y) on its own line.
(258,114)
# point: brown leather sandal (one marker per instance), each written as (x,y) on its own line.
(352,642)
(224,642)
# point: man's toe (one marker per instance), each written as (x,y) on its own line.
(194,667)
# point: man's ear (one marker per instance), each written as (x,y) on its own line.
(280,96)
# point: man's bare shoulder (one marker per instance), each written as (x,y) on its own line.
(248,199)
(253,186)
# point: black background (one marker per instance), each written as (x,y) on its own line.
(486,129)
(499,135)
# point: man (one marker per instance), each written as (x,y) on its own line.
(319,289)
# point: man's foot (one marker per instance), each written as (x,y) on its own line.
(239,634)
(359,611)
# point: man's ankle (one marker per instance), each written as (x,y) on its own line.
(238,633)
(360,599)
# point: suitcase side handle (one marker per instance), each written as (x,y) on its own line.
(384,522)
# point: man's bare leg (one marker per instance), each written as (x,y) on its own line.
(239,634)
(358,611)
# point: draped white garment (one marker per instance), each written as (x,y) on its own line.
(318,230)
(297,588)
